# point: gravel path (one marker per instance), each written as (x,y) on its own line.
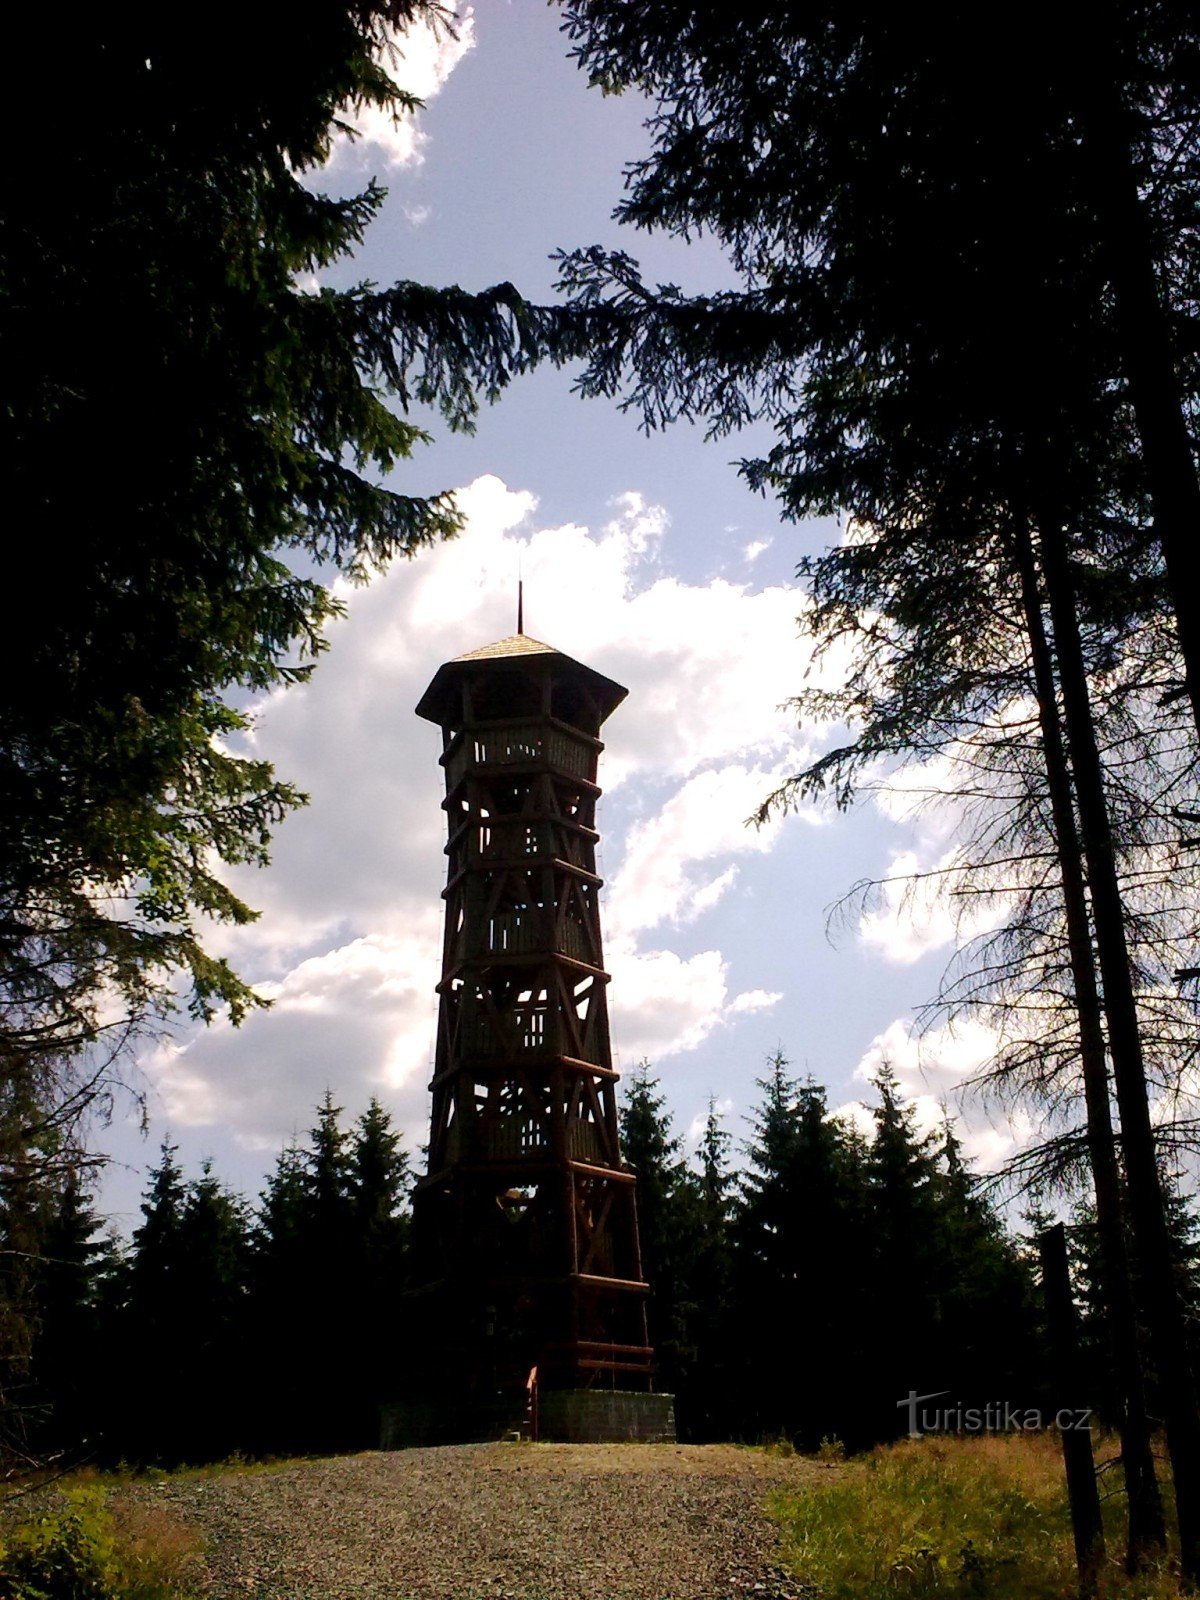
(493,1522)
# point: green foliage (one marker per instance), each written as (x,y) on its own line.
(805,1257)
(802,1299)
(1095,1339)
(326,1284)
(663,1208)
(952,1518)
(88,1552)
(182,1304)
(155,1243)
(201,433)
(888,263)
(967,291)
(63,1557)
(380,1173)
(74,1276)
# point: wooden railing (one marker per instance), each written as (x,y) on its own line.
(509,840)
(512,1138)
(517,933)
(522,744)
(523,1033)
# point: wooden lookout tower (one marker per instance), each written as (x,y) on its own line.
(525,1226)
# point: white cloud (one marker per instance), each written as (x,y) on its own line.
(349,939)
(754,549)
(703,821)
(855,1115)
(419,61)
(915,915)
(936,1061)
(924,793)
(934,1068)
(359,1014)
(663,1004)
(755,1000)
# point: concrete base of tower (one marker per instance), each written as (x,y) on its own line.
(605,1416)
(565,1416)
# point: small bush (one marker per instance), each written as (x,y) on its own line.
(87,1552)
(64,1556)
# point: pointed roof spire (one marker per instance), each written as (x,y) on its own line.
(520,605)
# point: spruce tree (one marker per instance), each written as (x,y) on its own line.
(215,1240)
(685,1227)
(666,1231)
(282,1211)
(328,1341)
(983,1313)
(160,278)
(712,1409)
(74,1322)
(713,1157)
(154,1318)
(22,1220)
(380,1182)
(280,1304)
(764,1216)
(155,1262)
(1087,1271)
(768,1298)
(801,1259)
(379,1170)
(900,1169)
(328,1182)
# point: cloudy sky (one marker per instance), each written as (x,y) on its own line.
(646,558)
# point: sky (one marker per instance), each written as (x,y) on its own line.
(648,559)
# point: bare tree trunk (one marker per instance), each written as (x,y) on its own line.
(1143,333)
(1146,1209)
(1087,1524)
(1147,1533)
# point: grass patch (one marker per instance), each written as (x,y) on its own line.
(83,1548)
(948,1517)
(236,1466)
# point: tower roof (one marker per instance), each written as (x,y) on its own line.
(517,644)
(440,700)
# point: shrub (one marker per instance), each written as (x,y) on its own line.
(88,1552)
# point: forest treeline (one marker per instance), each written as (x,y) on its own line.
(800,1288)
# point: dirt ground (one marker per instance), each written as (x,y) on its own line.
(505,1522)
